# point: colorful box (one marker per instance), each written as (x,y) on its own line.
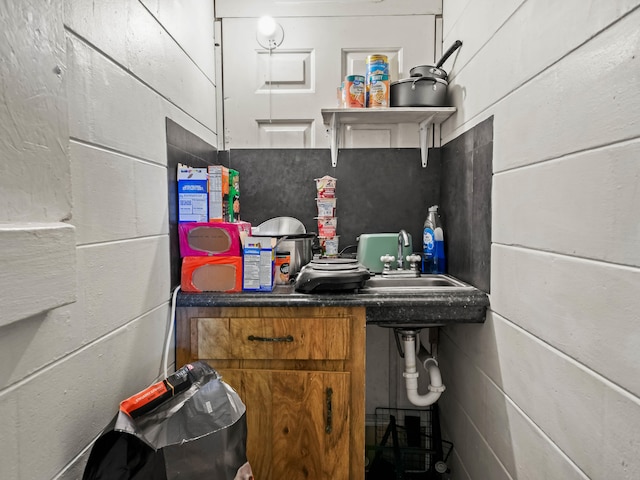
(259,267)
(234,195)
(218,193)
(192,194)
(212,238)
(211,274)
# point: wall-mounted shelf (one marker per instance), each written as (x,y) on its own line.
(425,117)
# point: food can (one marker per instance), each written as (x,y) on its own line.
(377,65)
(354,88)
(283,259)
(378,91)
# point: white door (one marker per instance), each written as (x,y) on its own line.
(273,98)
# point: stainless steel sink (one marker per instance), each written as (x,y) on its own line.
(424,283)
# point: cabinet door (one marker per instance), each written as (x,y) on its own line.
(298,422)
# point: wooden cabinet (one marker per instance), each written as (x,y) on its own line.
(301,373)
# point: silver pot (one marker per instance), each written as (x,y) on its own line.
(300,248)
(418,92)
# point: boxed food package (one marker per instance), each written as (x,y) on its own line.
(234,195)
(211,274)
(212,238)
(192,194)
(218,193)
(259,267)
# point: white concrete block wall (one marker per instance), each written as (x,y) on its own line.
(548,386)
(84,211)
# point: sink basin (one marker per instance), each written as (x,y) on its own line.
(399,284)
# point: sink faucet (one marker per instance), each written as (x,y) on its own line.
(403,241)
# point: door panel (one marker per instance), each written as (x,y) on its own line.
(274,98)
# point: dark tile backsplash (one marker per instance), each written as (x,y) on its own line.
(378,190)
(186,148)
(466,179)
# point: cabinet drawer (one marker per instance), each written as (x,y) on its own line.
(271,338)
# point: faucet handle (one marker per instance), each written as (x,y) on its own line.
(387,259)
(414,259)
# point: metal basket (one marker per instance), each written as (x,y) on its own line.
(410,440)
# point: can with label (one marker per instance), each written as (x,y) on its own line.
(283,259)
(378,91)
(354,88)
(377,65)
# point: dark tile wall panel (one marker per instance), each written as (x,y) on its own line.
(466,180)
(378,190)
(186,148)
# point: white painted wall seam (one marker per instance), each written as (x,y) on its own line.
(164,28)
(113,61)
(569,155)
(559,353)
(595,261)
(46,368)
(120,153)
(517,408)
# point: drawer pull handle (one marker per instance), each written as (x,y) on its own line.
(329,427)
(253,338)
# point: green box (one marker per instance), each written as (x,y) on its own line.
(234,195)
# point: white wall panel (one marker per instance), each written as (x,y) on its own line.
(189,22)
(38,268)
(578,205)
(29,345)
(85,389)
(111,108)
(140,45)
(535,37)
(117,197)
(520,446)
(581,412)
(34,169)
(588,310)
(120,281)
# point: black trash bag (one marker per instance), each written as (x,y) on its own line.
(191,425)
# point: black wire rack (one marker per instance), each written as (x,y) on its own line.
(408,445)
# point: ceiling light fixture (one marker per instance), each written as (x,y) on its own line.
(270,33)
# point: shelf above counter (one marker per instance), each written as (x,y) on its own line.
(425,117)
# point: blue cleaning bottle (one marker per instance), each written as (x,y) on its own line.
(429,243)
(433,256)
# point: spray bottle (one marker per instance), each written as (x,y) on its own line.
(433,257)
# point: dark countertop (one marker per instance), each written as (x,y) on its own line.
(398,309)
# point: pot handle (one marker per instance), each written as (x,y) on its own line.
(428,79)
(456,45)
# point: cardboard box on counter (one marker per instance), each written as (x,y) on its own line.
(210,239)
(192,194)
(211,274)
(218,193)
(259,267)
(234,195)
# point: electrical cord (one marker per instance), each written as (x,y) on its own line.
(167,343)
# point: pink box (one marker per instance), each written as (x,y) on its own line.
(206,239)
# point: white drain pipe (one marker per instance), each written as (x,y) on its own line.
(411,373)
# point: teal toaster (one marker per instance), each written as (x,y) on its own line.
(371,246)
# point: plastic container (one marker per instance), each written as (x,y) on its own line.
(354,86)
(433,256)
